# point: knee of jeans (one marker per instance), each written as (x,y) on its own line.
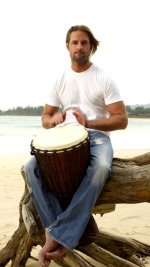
(29,172)
(104,170)
(30,165)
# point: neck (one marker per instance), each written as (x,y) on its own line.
(79,68)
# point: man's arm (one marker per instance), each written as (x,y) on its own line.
(117,119)
(52,116)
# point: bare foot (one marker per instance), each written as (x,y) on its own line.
(50,246)
(59,252)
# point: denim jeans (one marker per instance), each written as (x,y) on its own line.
(67,226)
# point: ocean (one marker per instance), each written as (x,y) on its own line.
(17,132)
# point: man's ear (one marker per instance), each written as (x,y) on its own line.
(91,52)
(67,46)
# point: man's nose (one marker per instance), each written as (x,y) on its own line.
(80,45)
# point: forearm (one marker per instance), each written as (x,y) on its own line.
(112,123)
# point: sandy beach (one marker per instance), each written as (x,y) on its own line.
(127,220)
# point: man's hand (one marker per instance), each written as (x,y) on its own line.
(81,118)
(57,118)
(51,117)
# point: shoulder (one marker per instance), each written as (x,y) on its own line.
(103,77)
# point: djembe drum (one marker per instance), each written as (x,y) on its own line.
(62,155)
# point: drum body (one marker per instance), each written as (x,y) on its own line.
(62,155)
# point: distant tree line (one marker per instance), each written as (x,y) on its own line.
(23,111)
(138,112)
(133,112)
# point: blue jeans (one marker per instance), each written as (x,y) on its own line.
(67,226)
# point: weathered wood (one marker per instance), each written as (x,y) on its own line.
(104,256)
(129,183)
(126,248)
(121,246)
(73,259)
(9,251)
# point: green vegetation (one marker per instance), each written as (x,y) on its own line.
(133,111)
(23,111)
(138,112)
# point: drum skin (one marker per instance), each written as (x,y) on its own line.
(62,170)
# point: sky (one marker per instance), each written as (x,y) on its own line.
(32,46)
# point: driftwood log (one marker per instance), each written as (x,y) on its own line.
(129,183)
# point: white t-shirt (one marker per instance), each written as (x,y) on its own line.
(88,91)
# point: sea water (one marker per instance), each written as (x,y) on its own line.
(17,132)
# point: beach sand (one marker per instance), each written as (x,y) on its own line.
(127,220)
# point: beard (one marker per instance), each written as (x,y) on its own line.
(80,59)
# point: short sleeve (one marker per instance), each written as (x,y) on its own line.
(111,93)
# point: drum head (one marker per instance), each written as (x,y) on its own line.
(60,137)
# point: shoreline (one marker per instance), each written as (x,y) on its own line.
(127,220)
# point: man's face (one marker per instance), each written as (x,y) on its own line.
(79,47)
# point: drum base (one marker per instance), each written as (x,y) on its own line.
(64,201)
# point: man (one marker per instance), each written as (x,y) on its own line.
(83,94)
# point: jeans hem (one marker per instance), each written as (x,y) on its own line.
(61,241)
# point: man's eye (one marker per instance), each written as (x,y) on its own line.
(84,43)
(74,42)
